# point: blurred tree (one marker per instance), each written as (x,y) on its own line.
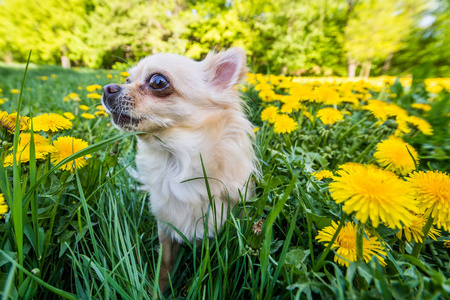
(47,29)
(427,46)
(378,28)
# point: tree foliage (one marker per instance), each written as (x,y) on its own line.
(289,37)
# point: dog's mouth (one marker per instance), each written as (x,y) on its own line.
(122,119)
(121,114)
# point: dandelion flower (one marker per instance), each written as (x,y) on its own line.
(41,147)
(421,106)
(109,76)
(374,194)
(269,114)
(415,231)
(93,88)
(447,244)
(284,124)
(320,175)
(69,115)
(256,129)
(101,113)
(94,96)
(432,191)
(65,147)
(124,74)
(392,154)
(51,122)
(422,125)
(329,115)
(15,91)
(44,78)
(74,96)
(84,107)
(88,116)
(9,121)
(3,206)
(345,244)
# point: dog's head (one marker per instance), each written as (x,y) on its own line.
(167,90)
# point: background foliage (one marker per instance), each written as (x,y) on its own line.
(323,37)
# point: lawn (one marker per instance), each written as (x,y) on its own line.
(353,200)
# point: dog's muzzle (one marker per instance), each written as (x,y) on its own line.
(118,105)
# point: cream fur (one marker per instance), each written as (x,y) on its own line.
(203,116)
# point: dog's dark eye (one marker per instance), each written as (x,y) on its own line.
(128,81)
(158,82)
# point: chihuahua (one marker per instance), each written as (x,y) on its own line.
(192,125)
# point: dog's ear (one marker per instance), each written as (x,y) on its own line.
(225,69)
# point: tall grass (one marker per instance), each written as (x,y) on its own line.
(89,234)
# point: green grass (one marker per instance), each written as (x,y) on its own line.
(89,234)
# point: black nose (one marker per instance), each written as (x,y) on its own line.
(111,89)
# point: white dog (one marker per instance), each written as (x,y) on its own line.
(190,111)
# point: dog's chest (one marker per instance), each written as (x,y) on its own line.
(177,190)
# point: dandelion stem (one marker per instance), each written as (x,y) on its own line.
(426,229)
(359,241)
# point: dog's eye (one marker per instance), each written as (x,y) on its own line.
(158,82)
(128,81)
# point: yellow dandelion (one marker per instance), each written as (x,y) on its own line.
(51,122)
(267,95)
(3,100)
(8,121)
(329,115)
(100,107)
(447,244)
(93,88)
(421,124)
(374,194)
(320,175)
(15,91)
(41,146)
(415,231)
(74,96)
(256,129)
(84,107)
(109,76)
(269,114)
(345,244)
(421,106)
(65,147)
(284,124)
(94,96)
(69,115)
(88,116)
(44,78)
(124,74)
(432,191)
(3,206)
(101,113)
(54,76)
(392,154)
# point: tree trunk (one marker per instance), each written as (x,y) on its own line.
(351,68)
(366,73)
(365,69)
(387,63)
(65,62)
